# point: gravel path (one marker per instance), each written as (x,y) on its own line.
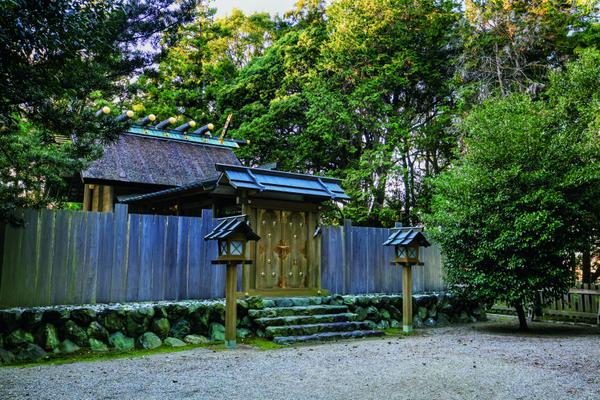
(482,361)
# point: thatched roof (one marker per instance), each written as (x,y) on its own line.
(152,160)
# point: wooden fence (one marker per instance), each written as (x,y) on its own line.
(73,257)
(354,261)
(581,303)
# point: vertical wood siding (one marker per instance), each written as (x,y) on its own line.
(354,261)
(74,257)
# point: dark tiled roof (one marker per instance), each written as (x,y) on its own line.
(405,237)
(266,180)
(230,225)
(151,160)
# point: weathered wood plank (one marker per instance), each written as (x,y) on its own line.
(195,258)
(92,254)
(45,257)
(171,278)
(148,242)
(118,276)
(59,262)
(134,257)
(158,259)
(76,246)
(106,258)
(182,257)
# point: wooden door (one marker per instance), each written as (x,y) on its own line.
(281,259)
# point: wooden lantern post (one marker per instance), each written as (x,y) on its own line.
(407,313)
(407,242)
(230,305)
(232,234)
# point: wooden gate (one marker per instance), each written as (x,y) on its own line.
(286,258)
(281,259)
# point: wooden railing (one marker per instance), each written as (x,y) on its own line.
(581,303)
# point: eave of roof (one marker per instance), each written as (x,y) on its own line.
(229,226)
(267,180)
(207,184)
(263,180)
(405,237)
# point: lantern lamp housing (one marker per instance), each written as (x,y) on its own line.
(232,234)
(407,242)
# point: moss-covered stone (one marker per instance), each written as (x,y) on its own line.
(373,314)
(10,320)
(160,311)
(243,333)
(385,315)
(18,337)
(31,319)
(217,312)
(47,337)
(68,347)
(173,342)
(196,339)
(180,329)
(29,352)
(383,324)
(138,321)
(56,316)
(97,331)
(217,332)
(97,345)
(112,320)
(149,341)
(120,342)
(83,316)
(6,357)
(161,327)
(76,334)
(361,313)
(443,319)
(176,311)
(255,302)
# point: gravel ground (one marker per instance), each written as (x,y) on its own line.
(482,361)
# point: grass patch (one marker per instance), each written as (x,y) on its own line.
(398,332)
(262,344)
(90,356)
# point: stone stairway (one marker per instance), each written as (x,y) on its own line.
(288,321)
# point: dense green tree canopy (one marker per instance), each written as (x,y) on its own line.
(524,195)
(56,59)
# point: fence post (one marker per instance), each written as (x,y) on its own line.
(347,257)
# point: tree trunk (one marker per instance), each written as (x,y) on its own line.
(586,265)
(522,317)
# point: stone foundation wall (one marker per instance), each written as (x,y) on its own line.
(30,334)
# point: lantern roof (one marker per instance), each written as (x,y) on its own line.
(406,237)
(231,225)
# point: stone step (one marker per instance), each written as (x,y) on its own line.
(323,336)
(305,319)
(309,329)
(295,301)
(272,312)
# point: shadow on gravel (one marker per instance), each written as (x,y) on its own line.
(537,329)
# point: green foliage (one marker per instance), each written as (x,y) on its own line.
(57,58)
(512,46)
(368,91)
(524,195)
